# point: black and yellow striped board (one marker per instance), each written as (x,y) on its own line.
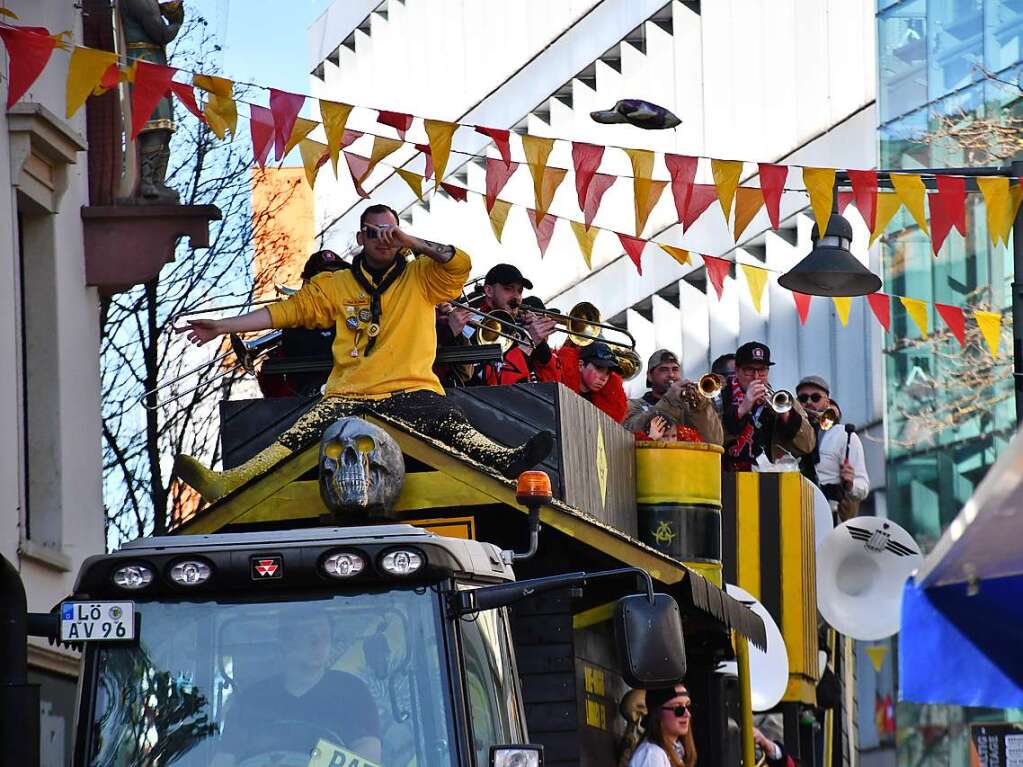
(768,549)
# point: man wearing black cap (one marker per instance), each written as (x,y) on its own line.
(592,372)
(665,398)
(752,428)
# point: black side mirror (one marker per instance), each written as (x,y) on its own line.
(649,638)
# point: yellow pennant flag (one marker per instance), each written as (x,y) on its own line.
(756,280)
(888,205)
(303,128)
(990,324)
(84,72)
(498,216)
(414,180)
(1015,198)
(647,194)
(726,177)
(642,187)
(916,309)
(877,655)
(313,155)
(911,190)
(381,148)
(996,203)
(440,134)
(842,305)
(221,111)
(585,237)
(748,202)
(537,150)
(820,183)
(552,178)
(679,254)
(334,116)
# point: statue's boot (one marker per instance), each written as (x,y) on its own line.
(213,485)
(154,156)
(163,191)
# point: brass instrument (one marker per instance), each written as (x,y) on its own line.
(780,400)
(497,327)
(708,387)
(827,418)
(583,326)
(280,290)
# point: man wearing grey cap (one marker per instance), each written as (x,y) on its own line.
(667,398)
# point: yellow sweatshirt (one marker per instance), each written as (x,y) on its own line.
(402,359)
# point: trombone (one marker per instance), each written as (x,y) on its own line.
(583,325)
(281,290)
(494,327)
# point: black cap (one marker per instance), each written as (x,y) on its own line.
(532,302)
(506,274)
(323,261)
(656,698)
(600,355)
(753,353)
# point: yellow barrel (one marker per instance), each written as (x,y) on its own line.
(685,473)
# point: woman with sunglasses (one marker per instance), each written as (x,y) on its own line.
(668,741)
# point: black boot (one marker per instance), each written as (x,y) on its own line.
(528,455)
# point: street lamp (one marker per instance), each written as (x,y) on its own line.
(831,269)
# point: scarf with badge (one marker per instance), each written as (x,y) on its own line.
(376,290)
(743,452)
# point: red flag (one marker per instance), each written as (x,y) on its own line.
(948,209)
(844,198)
(152,82)
(425,149)
(261,128)
(500,137)
(880,304)
(634,247)
(350,137)
(802,305)
(357,166)
(543,231)
(497,176)
(772,184)
(683,170)
(699,200)
(400,121)
(284,107)
(457,192)
(954,318)
(28,52)
(186,95)
(586,159)
(717,270)
(600,184)
(110,78)
(864,184)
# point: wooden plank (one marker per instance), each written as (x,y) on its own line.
(542,629)
(549,688)
(552,717)
(544,659)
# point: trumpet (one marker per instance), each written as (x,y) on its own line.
(780,400)
(708,387)
(827,418)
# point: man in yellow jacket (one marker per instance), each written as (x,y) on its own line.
(384,348)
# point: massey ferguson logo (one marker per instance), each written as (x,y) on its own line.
(264,568)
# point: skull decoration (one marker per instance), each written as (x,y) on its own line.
(361,469)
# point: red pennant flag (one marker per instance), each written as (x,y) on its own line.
(400,121)
(428,154)
(152,82)
(844,198)
(683,171)
(717,270)
(864,184)
(457,192)
(634,247)
(881,305)
(543,231)
(284,107)
(699,200)
(350,137)
(802,306)
(186,95)
(585,159)
(28,52)
(601,183)
(261,128)
(500,137)
(948,209)
(357,166)
(110,78)
(954,318)
(497,176)
(772,184)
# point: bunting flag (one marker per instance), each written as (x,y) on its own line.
(552,178)
(845,198)
(717,270)
(756,281)
(748,202)
(28,52)
(843,304)
(910,190)
(301,129)
(585,161)
(990,324)
(864,184)
(461,194)
(679,254)
(1015,198)
(648,194)
(886,206)
(414,180)
(498,216)
(381,148)
(501,139)
(820,183)
(996,200)
(537,150)
(683,173)
(186,95)
(726,178)
(955,319)
(634,248)
(440,134)
(700,199)
(358,166)
(881,306)
(497,175)
(802,305)
(85,70)
(594,194)
(221,110)
(400,121)
(152,82)
(585,236)
(772,184)
(948,209)
(916,309)
(335,117)
(284,107)
(425,149)
(261,129)
(543,228)
(314,155)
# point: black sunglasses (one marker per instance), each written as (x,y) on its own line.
(679,710)
(815,398)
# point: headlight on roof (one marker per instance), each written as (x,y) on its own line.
(133,577)
(191,572)
(402,562)
(343,564)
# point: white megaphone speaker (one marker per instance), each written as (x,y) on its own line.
(768,671)
(861,569)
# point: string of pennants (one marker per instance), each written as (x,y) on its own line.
(279,126)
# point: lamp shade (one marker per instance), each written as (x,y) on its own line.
(831,269)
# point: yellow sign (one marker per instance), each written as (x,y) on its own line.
(593,679)
(664,535)
(596,714)
(601,466)
(326,754)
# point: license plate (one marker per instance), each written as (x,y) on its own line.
(97,621)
